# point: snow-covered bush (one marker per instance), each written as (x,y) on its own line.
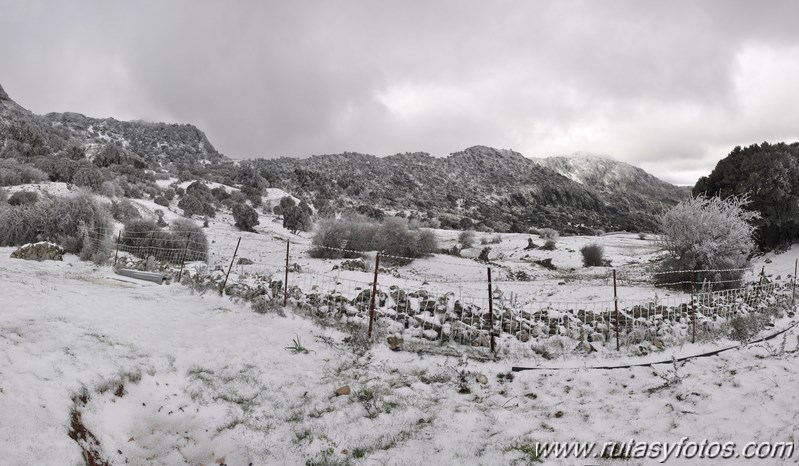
(592,255)
(57,219)
(549,234)
(246,217)
(392,236)
(707,233)
(23,198)
(466,239)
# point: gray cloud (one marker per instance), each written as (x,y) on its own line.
(668,86)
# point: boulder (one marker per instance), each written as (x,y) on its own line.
(39,252)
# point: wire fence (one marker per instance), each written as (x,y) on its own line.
(421,311)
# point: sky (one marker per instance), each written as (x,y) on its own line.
(670,87)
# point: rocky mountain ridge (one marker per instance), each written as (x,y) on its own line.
(480,187)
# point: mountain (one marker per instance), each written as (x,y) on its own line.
(24,134)
(616,182)
(500,189)
(479,187)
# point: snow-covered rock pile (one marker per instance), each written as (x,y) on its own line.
(40,251)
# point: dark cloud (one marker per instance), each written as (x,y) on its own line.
(669,86)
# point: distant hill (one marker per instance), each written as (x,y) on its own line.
(618,183)
(478,187)
(24,134)
(500,189)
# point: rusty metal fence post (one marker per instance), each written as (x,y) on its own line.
(490,312)
(693,309)
(116,252)
(372,297)
(616,307)
(286,278)
(224,283)
(183,258)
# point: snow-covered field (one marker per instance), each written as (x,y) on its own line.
(138,373)
(159,375)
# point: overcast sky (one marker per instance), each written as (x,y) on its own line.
(669,86)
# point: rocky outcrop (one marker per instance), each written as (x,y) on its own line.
(39,252)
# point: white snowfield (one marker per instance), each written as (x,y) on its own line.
(160,375)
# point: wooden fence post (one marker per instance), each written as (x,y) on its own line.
(793,293)
(222,290)
(490,312)
(693,309)
(373,295)
(286,279)
(183,258)
(616,307)
(116,252)
(759,285)
(149,247)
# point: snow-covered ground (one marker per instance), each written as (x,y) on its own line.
(160,375)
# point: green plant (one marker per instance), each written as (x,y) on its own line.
(296,347)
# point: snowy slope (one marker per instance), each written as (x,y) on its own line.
(171,377)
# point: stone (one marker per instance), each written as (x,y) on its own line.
(659,344)
(39,252)
(343,390)
(481,379)
(395,342)
(244,261)
(584,347)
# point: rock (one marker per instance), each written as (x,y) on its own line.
(395,342)
(354,264)
(659,344)
(481,379)
(295,268)
(584,347)
(39,252)
(431,335)
(244,261)
(343,390)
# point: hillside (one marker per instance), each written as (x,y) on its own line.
(500,189)
(617,182)
(24,134)
(478,187)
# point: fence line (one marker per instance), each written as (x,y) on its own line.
(420,311)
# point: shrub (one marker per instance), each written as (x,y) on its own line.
(3,195)
(704,233)
(111,189)
(245,216)
(124,211)
(169,194)
(196,205)
(549,234)
(392,237)
(88,176)
(484,254)
(549,245)
(297,218)
(61,220)
(198,243)
(162,201)
(142,237)
(592,255)
(466,239)
(13,173)
(23,198)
